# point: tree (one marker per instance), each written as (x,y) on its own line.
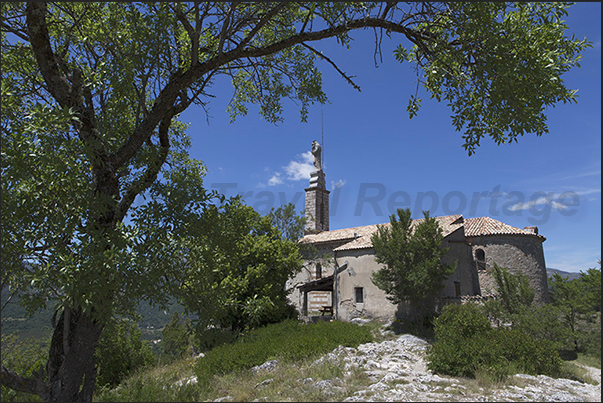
(576,297)
(175,337)
(514,306)
(237,265)
(514,295)
(591,279)
(412,252)
(121,351)
(286,219)
(91,94)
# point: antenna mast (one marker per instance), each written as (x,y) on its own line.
(322,128)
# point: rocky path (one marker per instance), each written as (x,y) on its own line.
(399,373)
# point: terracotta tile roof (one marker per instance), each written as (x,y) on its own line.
(360,237)
(484,226)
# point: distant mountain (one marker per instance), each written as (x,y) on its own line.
(572,275)
(14,319)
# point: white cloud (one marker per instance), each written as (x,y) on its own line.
(532,203)
(588,191)
(338,184)
(301,169)
(275,180)
(550,200)
(298,169)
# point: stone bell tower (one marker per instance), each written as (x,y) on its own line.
(317,196)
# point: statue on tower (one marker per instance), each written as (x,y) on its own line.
(316,152)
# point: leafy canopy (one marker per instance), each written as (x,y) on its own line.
(412,252)
(576,298)
(98,191)
(235,267)
(497,65)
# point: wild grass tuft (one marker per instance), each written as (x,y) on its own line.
(226,369)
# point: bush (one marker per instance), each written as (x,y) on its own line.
(209,338)
(120,352)
(174,338)
(289,340)
(543,323)
(466,345)
(23,356)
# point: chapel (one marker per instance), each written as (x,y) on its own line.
(338,264)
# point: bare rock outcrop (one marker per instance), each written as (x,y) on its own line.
(399,373)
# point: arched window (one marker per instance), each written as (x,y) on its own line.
(480,258)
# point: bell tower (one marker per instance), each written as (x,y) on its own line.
(317,196)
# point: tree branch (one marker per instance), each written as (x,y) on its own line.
(261,24)
(149,176)
(349,80)
(193,34)
(35,386)
(58,85)
(225,27)
(170,92)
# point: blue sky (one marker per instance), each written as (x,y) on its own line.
(377,159)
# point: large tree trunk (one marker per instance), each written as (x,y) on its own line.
(71,368)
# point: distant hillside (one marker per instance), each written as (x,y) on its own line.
(550,271)
(39,326)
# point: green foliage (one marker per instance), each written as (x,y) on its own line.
(288,222)
(209,338)
(16,320)
(289,341)
(236,269)
(543,323)
(512,290)
(466,345)
(591,280)
(175,338)
(497,65)
(577,299)
(91,94)
(514,307)
(514,296)
(412,254)
(120,352)
(23,356)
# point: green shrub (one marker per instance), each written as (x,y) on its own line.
(207,339)
(543,323)
(23,356)
(466,345)
(289,340)
(120,352)
(460,322)
(174,339)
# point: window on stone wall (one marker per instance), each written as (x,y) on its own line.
(457,288)
(480,258)
(318,271)
(359,293)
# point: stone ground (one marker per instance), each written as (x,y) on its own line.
(400,374)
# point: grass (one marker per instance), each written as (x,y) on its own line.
(226,370)
(589,360)
(298,376)
(287,341)
(289,382)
